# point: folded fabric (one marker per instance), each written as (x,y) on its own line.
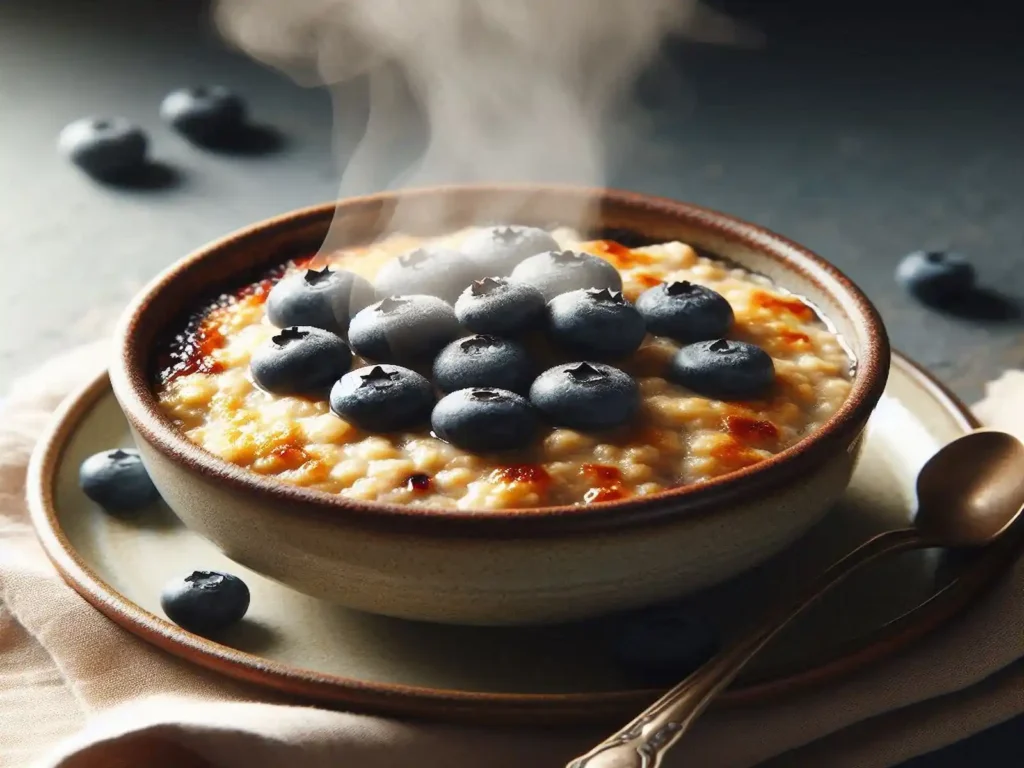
(76,691)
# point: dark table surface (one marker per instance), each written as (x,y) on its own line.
(863,130)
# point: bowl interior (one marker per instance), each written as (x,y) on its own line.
(632,219)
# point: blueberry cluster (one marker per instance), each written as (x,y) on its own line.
(114,148)
(454,323)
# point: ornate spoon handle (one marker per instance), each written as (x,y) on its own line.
(644,742)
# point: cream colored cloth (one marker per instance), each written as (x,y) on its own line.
(78,692)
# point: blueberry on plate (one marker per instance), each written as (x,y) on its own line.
(485,419)
(555,272)
(434,272)
(585,396)
(723,369)
(104,147)
(404,329)
(498,250)
(324,298)
(204,114)
(117,480)
(383,398)
(935,277)
(662,645)
(205,602)
(500,306)
(483,361)
(594,322)
(685,311)
(300,360)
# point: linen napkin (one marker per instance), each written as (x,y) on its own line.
(76,691)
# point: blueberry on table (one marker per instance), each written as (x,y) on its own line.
(204,114)
(555,272)
(497,305)
(483,361)
(205,602)
(104,147)
(300,360)
(935,277)
(498,250)
(685,311)
(723,369)
(325,298)
(662,645)
(585,396)
(484,419)
(404,329)
(593,322)
(117,480)
(434,272)
(383,398)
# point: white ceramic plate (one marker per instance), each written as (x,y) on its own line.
(326,653)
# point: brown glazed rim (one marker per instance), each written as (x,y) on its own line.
(132,384)
(305,686)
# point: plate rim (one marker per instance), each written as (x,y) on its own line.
(451,705)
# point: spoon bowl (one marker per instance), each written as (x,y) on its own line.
(972,490)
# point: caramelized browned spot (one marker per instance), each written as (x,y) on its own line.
(734,455)
(194,351)
(290,456)
(257,292)
(747,430)
(522,473)
(618,254)
(794,337)
(419,483)
(781,304)
(647,280)
(601,474)
(596,495)
(606,483)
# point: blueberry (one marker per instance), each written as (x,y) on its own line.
(935,277)
(434,272)
(585,396)
(725,370)
(325,298)
(685,311)
(498,250)
(404,329)
(485,419)
(662,645)
(104,147)
(204,114)
(595,322)
(383,398)
(555,272)
(500,306)
(300,360)
(117,480)
(205,602)
(483,361)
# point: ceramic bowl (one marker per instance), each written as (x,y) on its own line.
(520,566)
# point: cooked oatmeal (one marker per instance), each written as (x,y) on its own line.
(678,437)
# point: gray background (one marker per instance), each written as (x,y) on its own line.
(863,130)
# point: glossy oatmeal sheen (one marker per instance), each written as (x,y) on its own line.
(677,437)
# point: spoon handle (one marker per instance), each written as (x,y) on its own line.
(644,742)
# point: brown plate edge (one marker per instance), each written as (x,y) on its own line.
(465,706)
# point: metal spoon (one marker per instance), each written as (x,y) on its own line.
(968,494)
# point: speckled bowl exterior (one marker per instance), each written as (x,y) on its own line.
(520,566)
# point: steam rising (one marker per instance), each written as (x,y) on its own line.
(511,90)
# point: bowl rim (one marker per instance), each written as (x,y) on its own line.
(131,380)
